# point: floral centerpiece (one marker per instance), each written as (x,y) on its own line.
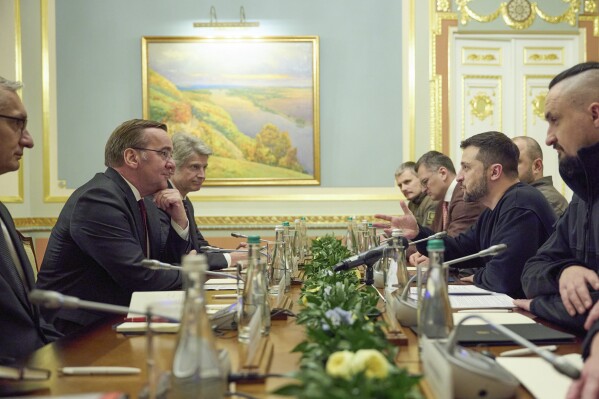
(345,353)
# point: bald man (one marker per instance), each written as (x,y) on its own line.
(530,171)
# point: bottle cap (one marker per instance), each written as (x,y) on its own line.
(285,223)
(302,218)
(435,245)
(253,239)
(369,224)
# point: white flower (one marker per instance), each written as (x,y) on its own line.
(339,364)
(371,362)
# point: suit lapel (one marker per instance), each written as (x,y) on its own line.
(193,230)
(28,273)
(131,204)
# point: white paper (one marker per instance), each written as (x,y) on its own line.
(497,318)
(460,290)
(221,281)
(494,301)
(140,300)
(539,377)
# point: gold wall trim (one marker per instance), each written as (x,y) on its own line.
(296,197)
(20,197)
(519,21)
(442,23)
(220,222)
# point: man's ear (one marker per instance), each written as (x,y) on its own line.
(594,109)
(442,171)
(132,158)
(537,166)
(496,171)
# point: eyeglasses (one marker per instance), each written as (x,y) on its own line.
(164,154)
(21,122)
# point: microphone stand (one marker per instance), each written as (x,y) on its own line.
(239,235)
(56,300)
(157,265)
(369,278)
(559,363)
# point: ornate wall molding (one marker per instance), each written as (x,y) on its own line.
(519,14)
(228,223)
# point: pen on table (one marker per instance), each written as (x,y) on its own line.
(224,296)
(526,351)
(99,370)
(135,319)
(485,311)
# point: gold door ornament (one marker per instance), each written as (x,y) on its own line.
(481,106)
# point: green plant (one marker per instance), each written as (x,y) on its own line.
(345,352)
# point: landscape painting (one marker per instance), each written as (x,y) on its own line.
(254,101)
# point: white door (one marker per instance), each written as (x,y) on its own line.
(499,82)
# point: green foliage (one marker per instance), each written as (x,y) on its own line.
(338,316)
(315,383)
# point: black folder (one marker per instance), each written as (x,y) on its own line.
(487,335)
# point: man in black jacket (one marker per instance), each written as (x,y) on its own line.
(562,279)
(191,158)
(22,329)
(518,215)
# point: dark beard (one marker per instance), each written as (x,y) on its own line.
(569,166)
(479,191)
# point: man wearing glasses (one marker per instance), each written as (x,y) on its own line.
(438,177)
(23,330)
(106,228)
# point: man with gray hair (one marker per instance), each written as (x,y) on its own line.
(421,205)
(530,171)
(191,158)
(23,329)
(106,228)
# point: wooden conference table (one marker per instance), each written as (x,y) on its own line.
(102,346)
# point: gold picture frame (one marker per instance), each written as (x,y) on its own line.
(254,101)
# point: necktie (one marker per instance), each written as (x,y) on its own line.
(8,263)
(144,218)
(445,214)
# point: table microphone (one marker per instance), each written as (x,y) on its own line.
(56,300)
(455,371)
(157,265)
(407,309)
(437,236)
(365,258)
(558,362)
(491,251)
(239,235)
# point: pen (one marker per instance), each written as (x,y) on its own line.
(224,296)
(135,319)
(485,311)
(100,370)
(527,351)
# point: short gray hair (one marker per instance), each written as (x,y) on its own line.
(185,145)
(8,85)
(409,165)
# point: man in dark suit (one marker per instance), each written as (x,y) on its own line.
(106,228)
(191,157)
(22,328)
